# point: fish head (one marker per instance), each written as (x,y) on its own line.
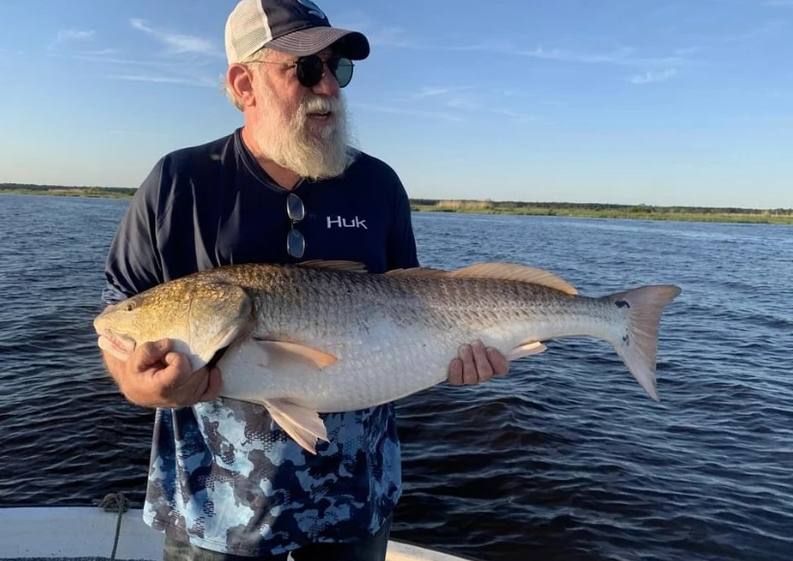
(200,318)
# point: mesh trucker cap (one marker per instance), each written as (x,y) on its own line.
(295,27)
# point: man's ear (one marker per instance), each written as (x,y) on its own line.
(240,80)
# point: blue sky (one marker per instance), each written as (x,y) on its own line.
(685,102)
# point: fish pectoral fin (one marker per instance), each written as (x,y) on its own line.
(284,355)
(526,349)
(303,425)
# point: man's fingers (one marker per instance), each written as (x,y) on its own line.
(149,354)
(179,361)
(498,361)
(456,372)
(476,364)
(469,367)
(484,370)
(156,376)
(213,386)
(176,372)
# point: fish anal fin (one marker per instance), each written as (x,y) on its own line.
(526,349)
(284,355)
(516,272)
(303,425)
(339,265)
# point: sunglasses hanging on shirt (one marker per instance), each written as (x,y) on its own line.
(295,242)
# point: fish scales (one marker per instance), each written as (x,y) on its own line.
(395,334)
(326,336)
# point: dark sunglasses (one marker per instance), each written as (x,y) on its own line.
(295,242)
(310,70)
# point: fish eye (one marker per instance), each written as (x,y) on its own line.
(129,306)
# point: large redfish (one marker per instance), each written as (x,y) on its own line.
(323,337)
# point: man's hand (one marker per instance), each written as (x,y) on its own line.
(154,376)
(476,364)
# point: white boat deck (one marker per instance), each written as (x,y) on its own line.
(88,534)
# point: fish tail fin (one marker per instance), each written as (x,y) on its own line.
(638,344)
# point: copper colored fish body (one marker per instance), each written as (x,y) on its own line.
(327,336)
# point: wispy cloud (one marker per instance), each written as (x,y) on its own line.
(517,115)
(408,111)
(106,56)
(763,32)
(619,56)
(179,43)
(650,77)
(523,94)
(139,133)
(434,91)
(161,79)
(379,35)
(65,35)
(482,103)
(389,36)
(186,59)
(467,99)
(65,38)
(66,41)
(463,104)
(625,56)
(767,30)
(97,54)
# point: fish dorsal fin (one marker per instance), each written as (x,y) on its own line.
(339,265)
(417,272)
(515,272)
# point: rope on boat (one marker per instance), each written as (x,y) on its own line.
(115,502)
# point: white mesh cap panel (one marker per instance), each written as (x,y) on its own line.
(296,27)
(247,30)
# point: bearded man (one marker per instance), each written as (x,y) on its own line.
(225,480)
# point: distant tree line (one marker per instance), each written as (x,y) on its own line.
(464,204)
(61,188)
(643,209)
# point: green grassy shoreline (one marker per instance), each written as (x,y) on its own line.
(58,191)
(517,208)
(628,213)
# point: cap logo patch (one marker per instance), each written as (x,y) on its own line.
(313,9)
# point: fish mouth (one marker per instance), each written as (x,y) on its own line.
(117,345)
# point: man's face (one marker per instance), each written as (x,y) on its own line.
(302,129)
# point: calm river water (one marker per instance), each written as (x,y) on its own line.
(565,458)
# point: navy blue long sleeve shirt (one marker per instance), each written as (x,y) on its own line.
(223,475)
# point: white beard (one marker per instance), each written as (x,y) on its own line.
(291,143)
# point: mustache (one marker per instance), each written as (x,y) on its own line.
(320,104)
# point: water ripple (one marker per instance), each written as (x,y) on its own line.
(565,458)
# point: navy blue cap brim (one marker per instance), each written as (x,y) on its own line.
(352,44)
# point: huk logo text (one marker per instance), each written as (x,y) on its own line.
(339,222)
